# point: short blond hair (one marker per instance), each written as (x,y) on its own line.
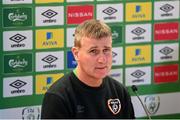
(95,29)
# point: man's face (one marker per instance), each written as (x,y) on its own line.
(95,57)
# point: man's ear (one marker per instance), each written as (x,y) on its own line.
(75,51)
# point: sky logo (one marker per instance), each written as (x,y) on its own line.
(49,35)
(138,8)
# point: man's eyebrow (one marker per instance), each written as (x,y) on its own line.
(107,47)
(97,47)
(93,47)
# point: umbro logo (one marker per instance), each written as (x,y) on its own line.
(49,59)
(18,84)
(114,54)
(138,74)
(49,13)
(167,8)
(17,38)
(166,50)
(109,11)
(138,31)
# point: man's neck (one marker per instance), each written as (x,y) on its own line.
(87,79)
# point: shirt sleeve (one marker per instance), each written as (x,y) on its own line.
(53,107)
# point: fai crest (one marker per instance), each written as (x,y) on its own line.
(114,105)
(152,103)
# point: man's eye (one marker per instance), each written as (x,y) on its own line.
(106,51)
(94,52)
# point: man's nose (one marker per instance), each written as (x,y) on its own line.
(102,58)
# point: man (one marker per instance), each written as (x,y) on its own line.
(87,92)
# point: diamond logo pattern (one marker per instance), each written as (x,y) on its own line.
(49,59)
(18,84)
(138,31)
(167,8)
(138,74)
(166,50)
(109,11)
(17,38)
(49,13)
(114,54)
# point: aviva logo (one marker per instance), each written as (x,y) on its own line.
(138,54)
(43,82)
(49,1)
(138,11)
(49,38)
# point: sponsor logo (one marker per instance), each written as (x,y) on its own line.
(17,40)
(49,35)
(138,31)
(166,31)
(167,8)
(31,113)
(46,61)
(17,17)
(49,59)
(166,51)
(138,54)
(51,15)
(138,74)
(138,8)
(109,11)
(50,38)
(152,103)
(114,54)
(71,61)
(18,84)
(117,55)
(78,14)
(138,11)
(166,73)
(117,74)
(114,105)
(116,34)
(18,63)
(43,82)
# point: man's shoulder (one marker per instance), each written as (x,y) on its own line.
(115,84)
(113,81)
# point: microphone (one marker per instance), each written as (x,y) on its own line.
(135,89)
